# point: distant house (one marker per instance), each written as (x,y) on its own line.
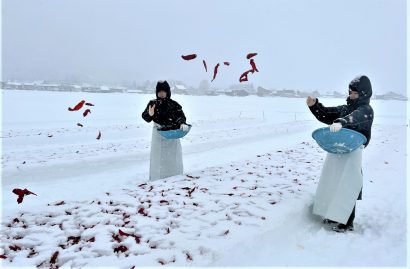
(263,92)
(220,91)
(211,92)
(13,86)
(338,94)
(50,87)
(70,88)
(76,88)
(285,93)
(237,93)
(105,89)
(391,96)
(180,89)
(88,88)
(134,91)
(118,89)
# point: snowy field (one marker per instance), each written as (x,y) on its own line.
(251,171)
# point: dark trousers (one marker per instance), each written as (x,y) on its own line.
(351,218)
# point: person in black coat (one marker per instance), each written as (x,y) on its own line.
(356,115)
(163,110)
(167,114)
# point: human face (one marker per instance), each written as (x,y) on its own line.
(162,94)
(353,95)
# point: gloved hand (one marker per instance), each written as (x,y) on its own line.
(184,127)
(335,127)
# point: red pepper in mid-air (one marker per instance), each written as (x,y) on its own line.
(206,68)
(215,71)
(188,57)
(89,104)
(250,55)
(85,113)
(252,62)
(79,124)
(21,193)
(77,106)
(226,63)
(244,76)
(99,135)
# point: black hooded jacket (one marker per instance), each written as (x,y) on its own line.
(356,115)
(168,113)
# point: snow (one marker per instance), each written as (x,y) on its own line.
(251,171)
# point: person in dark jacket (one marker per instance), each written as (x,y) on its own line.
(356,115)
(167,114)
(163,110)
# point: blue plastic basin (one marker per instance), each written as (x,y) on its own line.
(174,134)
(344,141)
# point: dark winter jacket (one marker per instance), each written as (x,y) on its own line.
(168,113)
(356,115)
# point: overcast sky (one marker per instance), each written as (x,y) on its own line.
(301,44)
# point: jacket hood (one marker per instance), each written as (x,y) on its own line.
(163,85)
(362,85)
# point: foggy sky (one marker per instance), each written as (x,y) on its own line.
(301,44)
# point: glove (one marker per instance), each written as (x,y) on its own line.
(335,127)
(184,127)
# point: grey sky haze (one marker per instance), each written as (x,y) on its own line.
(312,44)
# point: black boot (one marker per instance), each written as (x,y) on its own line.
(328,221)
(341,228)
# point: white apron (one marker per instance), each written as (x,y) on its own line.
(166,156)
(340,184)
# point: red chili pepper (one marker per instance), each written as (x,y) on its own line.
(244,76)
(53,259)
(189,57)
(215,71)
(85,113)
(250,55)
(89,104)
(122,233)
(206,68)
(79,124)
(252,62)
(77,106)
(136,237)
(142,211)
(99,135)
(21,193)
(226,63)
(15,248)
(120,249)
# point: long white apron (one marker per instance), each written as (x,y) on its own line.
(166,156)
(339,186)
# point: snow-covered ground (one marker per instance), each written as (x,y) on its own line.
(251,170)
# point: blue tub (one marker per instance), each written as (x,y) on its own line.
(175,134)
(344,141)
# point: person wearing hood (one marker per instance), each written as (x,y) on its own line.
(341,180)
(167,114)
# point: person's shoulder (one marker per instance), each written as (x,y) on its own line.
(175,103)
(366,107)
